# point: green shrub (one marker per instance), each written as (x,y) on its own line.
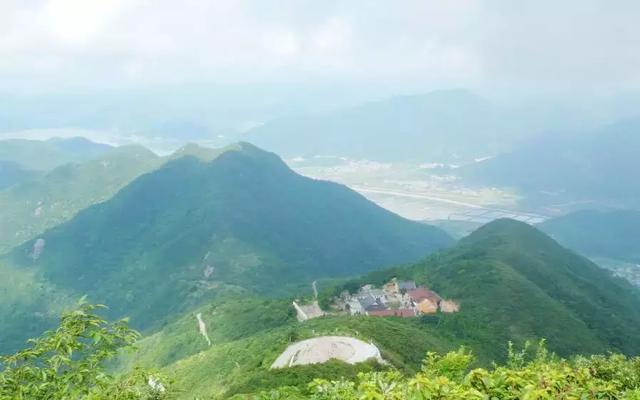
(68,363)
(541,376)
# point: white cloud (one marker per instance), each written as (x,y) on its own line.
(426,42)
(78,21)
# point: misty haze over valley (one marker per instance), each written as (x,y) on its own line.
(322,200)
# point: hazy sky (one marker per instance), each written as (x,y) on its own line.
(523,45)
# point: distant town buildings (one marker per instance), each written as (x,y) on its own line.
(396,298)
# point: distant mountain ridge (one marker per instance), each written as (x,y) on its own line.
(542,289)
(599,166)
(29,208)
(239,221)
(12,173)
(612,234)
(434,126)
(44,155)
(515,283)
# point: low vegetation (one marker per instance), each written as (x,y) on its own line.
(248,334)
(451,377)
(69,363)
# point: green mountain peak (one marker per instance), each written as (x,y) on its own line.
(192,228)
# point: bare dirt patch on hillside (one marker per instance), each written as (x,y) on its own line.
(324,348)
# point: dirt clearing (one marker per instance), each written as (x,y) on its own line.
(325,348)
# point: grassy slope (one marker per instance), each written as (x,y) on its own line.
(249,333)
(28,209)
(244,213)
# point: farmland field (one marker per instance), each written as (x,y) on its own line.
(423,192)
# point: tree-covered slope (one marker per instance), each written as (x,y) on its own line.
(12,173)
(598,166)
(515,283)
(512,281)
(611,234)
(193,227)
(247,335)
(29,208)
(44,155)
(556,293)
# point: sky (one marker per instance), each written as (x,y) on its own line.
(570,45)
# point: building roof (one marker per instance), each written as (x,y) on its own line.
(377,293)
(403,312)
(375,307)
(354,304)
(367,301)
(406,285)
(420,294)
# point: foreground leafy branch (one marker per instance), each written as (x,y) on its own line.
(68,363)
(542,376)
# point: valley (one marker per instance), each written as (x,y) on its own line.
(210,253)
(627,270)
(319,200)
(419,191)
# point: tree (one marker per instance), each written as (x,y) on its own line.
(69,363)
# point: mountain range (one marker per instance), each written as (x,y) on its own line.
(222,240)
(30,207)
(611,234)
(44,155)
(513,283)
(595,166)
(436,126)
(12,173)
(205,222)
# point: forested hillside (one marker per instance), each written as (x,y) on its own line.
(45,155)
(514,283)
(29,208)
(612,234)
(12,173)
(598,165)
(206,224)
